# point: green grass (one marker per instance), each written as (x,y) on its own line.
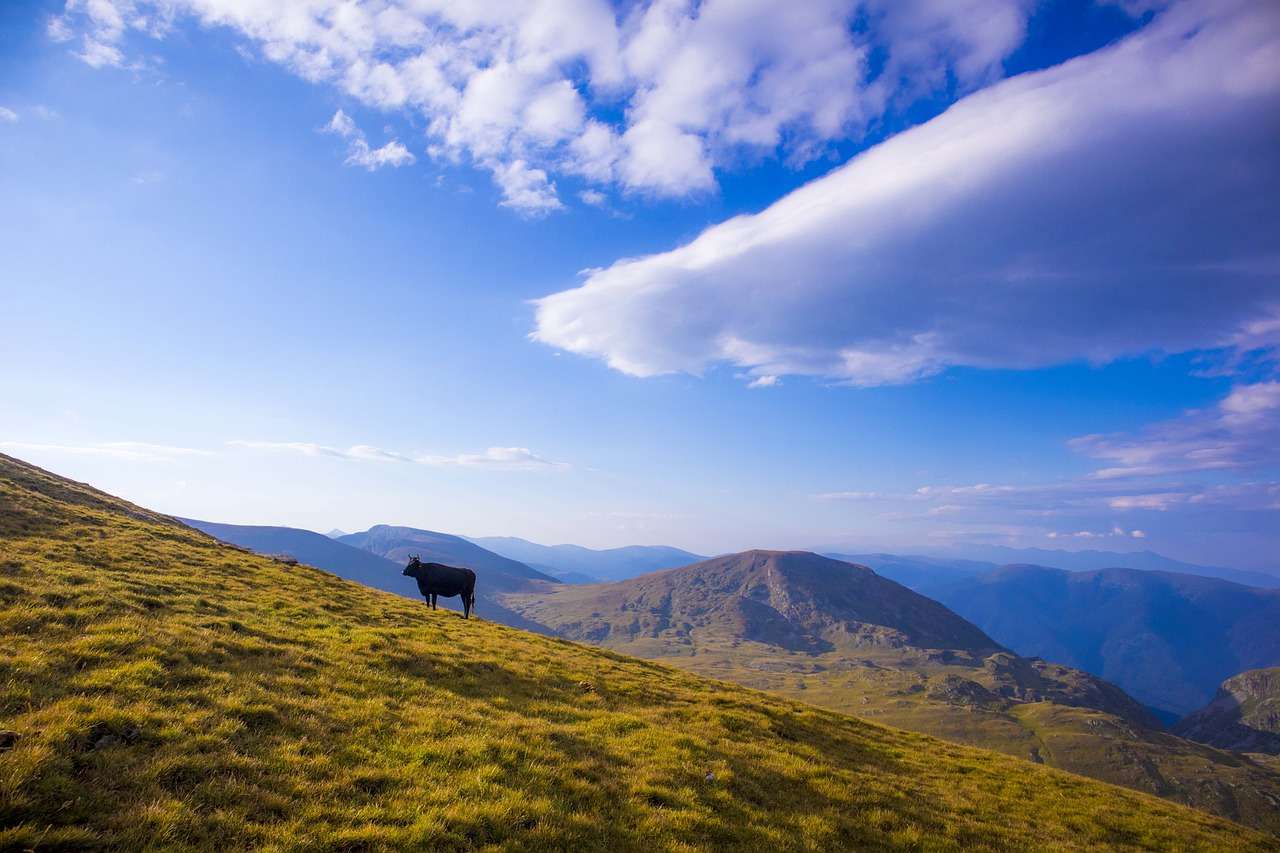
(168,691)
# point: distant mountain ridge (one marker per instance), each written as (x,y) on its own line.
(398,543)
(1168,639)
(1093,560)
(314,549)
(608,564)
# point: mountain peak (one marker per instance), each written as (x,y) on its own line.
(794,599)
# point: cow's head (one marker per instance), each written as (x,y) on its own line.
(414,568)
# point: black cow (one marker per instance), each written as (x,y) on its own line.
(436,579)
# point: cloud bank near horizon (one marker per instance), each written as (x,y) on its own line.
(1119,204)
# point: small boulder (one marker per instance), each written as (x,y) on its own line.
(8,740)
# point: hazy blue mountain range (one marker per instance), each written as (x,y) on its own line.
(576,564)
(314,549)
(1091,560)
(916,571)
(398,543)
(384,570)
(1168,639)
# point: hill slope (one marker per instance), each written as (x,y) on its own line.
(837,635)
(163,690)
(609,564)
(1244,715)
(1168,639)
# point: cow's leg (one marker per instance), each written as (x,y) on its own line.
(466,606)
(433,601)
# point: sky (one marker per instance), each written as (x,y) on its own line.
(906,276)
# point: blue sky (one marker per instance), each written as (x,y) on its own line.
(720,276)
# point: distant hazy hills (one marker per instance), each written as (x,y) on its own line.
(1091,560)
(576,564)
(376,558)
(316,550)
(398,543)
(1168,639)
(917,570)
(1243,716)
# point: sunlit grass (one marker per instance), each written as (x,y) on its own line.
(167,691)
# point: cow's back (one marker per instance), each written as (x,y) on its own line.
(447,580)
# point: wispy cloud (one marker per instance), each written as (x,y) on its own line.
(849,496)
(1242,431)
(132,450)
(496,458)
(393,154)
(7,115)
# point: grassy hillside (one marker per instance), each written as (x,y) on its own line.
(838,636)
(159,689)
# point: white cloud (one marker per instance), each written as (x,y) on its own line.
(97,54)
(59,29)
(392,154)
(654,95)
(497,458)
(343,125)
(1242,431)
(526,189)
(595,198)
(359,153)
(132,450)
(8,115)
(1118,204)
(510,458)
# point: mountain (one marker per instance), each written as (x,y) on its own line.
(915,572)
(840,636)
(1168,639)
(579,563)
(162,690)
(1092,560)
(316,550)
(335,533)
(793,599)
(397,543)
(1244,715)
